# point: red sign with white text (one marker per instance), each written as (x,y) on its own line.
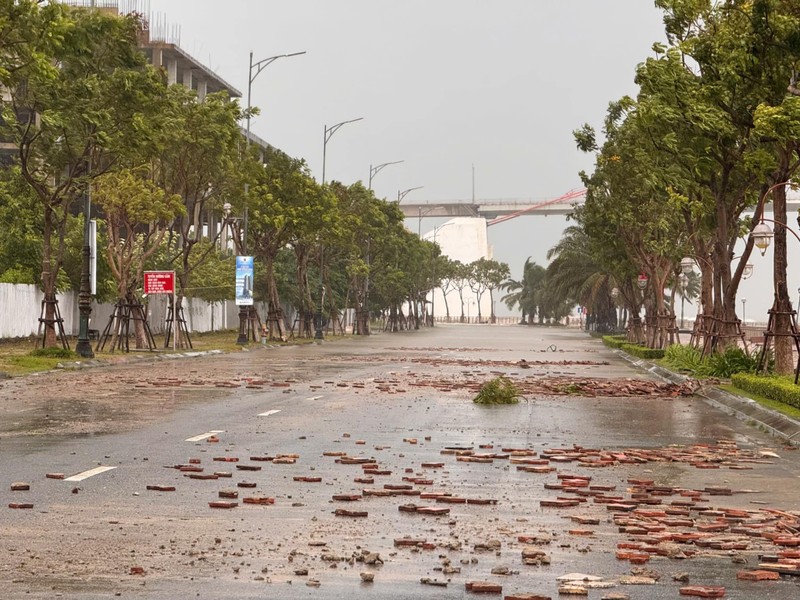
(159,282)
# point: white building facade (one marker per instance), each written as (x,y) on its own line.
(464,239)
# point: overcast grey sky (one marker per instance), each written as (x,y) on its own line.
(441,84)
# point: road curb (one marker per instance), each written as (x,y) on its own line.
(745,409)
(96,362)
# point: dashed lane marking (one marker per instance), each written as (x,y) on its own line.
(314,398)
(203,436)
(268,413)
(89,473)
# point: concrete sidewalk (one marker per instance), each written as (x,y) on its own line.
(746,409)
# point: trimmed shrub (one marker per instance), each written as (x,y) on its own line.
(500,390)
(614,341)
(642,351)
(774,388)
(53,353)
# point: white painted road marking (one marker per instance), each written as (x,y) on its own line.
(203,436)
(268,413)
(314,398)
(89,473)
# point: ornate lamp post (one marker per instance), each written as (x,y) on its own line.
(683,281)
(84,346)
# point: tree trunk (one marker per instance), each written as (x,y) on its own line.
(782,305)
(274,307)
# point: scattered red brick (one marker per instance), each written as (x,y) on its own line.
(703,591)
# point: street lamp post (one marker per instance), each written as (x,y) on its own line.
(683,280)
(404,193)
(251,77)
(84,346)
(744,303)
(377,169)
(258,66)
(329,131)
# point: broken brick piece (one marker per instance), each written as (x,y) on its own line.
(340,512)
(433,510)
(703,591)
(258,500)
(20,486)
(346,497)
(483,587)
(20,505)
(409,542)
(757,575)
(220,504)
(55,476)
(161,488)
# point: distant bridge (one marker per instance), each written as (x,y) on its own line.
(498,211)
(495,211)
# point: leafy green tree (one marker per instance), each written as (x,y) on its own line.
(80,99)
(446,275)
(136,216)
(198,162)
(20,219)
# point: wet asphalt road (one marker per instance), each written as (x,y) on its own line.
(360,397)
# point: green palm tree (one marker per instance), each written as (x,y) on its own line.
(574,276)
(523,293)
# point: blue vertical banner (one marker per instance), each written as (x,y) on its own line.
(244,280)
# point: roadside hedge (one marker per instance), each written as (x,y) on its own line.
(614,341)
(774,388)
(620,342)
(642,351)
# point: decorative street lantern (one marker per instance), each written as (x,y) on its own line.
(762,236)
(687,264)
(642,280)
(748,270)
(614,292)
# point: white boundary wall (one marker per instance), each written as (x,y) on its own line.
(21,306)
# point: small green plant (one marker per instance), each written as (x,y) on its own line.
(500,390)
(686,359)
(53,353)
(732,360)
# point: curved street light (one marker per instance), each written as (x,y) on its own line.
(251,77)
(377,169)
(329,131)
(404,193)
